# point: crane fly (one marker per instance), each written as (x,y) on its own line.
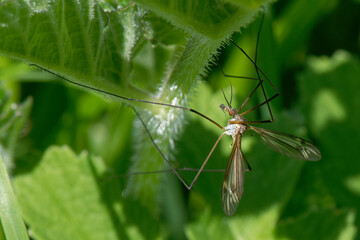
(233,183)
(286,144)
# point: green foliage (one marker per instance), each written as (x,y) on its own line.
(320,224)
(78,203)
(12,120)
(12,223)
(334,106)
(158,51)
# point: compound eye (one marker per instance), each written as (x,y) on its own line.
(231,112)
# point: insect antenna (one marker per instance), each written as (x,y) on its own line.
(231,94)
(229,104)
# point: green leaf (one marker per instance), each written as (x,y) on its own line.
(330,97)
(253,226)
(12,120)
(79,40)
(320,224)
(66,197)
(12,225)
(209,227)
(209,19)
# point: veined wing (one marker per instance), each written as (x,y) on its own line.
(289,145)
(233,184)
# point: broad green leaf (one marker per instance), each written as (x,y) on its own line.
(258,226)
(209,19)
(320,224)
(209,227)
(66,197)
(330,97)
(11,220)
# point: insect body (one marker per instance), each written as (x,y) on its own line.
(233,184)
(289,145)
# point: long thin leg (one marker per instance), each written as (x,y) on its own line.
(206,160)
(143,123)
(234,76)
(260,84)
(164,171)
(168,162)
(257,86)
(247,163)
(254,122)
(130,99)
(265,102)
(257,70)
(158,149)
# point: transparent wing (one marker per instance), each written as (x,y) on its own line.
(288,145)
(233,185)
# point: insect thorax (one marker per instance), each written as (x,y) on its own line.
(234,129)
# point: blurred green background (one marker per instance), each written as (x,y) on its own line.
(66,149)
